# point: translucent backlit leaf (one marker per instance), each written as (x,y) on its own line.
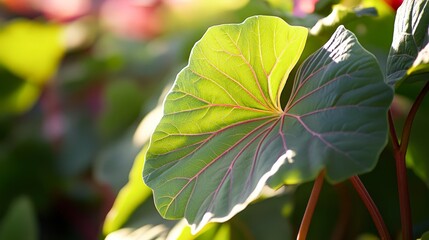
(224,133)
(223,106)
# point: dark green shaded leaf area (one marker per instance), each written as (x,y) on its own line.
(337,113)
(409,54)
(224,133)
(38,160)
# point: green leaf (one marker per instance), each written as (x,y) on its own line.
(131,196)
(420,68)
(336,115)
(115,161)
(224,133)
(31,50)
(135,193)
(262,220)
(410,37)
(221,108)
(123,101)
(211,231)
(143,223)
(425,236)
(340,15)
(16,94)
(30,53)
(20,221)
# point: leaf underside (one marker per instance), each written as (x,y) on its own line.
(336,115)
(224,133)
(408,58)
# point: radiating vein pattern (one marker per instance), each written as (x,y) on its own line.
(337,111)
(220,136)
(224,133)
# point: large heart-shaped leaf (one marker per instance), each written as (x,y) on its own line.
(223,106)
(410,37)
(224,133)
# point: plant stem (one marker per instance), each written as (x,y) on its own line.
(400,151)
(311,205)
(392,130)
(372,208)
(410,118)
(404,196)
(401,176)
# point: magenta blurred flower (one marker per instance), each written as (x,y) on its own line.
(132,18)
(303,7)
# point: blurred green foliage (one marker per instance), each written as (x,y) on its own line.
(20,221)
(29,56)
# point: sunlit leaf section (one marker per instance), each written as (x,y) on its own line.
(210,154)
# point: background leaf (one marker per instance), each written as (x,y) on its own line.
(230,94)
(20,221)
(425,236)
(123,102)
(135,193)
(30,53)
(144,222)
(131,196)
(409,39)
(16,94)
(340,15)
(31,50)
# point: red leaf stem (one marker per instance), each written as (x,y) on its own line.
(372,208)
(400,151)
(311,205)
